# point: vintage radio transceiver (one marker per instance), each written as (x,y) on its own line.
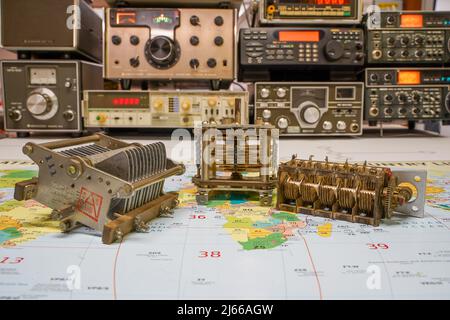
(44,95)
(332,109)
(163,109)
(330,12)
(409,38)
(47,26)
(176,44)
(409,94)
(177,3)
(288,48)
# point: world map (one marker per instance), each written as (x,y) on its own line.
(222,250)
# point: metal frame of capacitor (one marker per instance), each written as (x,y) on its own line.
(226,175)
(263,10)
(359,193)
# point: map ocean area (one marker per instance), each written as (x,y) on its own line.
(225,249)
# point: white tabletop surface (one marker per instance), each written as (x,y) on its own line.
(396,145)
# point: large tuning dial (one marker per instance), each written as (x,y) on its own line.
(42,104)
(310,112)
(447,102)
(162,52)
(334,50)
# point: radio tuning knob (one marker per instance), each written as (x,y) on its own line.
(404,40)
(218,21)
(158,104)
(212,63)
(134,62)
(334,50)
(69,115)
(212,102)
(447,102)
(218,41)
(38,104)
(281,92)
(419,40)
(310,112)
(390,20)
(186,105)
(341,125)
(266,114)
(265,93)
(15,115)
(116,40)
(283,123)
(403,97)
(194,63)
(373,77)
(134,40)
(327,125)
(161,52)
(195,20)
(231,102)
(391,40)
(194,40)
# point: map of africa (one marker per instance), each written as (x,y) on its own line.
(231,248)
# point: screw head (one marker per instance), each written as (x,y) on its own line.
(72,170)
(27,149)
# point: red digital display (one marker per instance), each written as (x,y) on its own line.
(299,36)
(332,2)
(126,102)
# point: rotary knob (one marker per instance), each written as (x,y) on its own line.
(194,63)
(341,125)
(327,125)
(218,41)
(158,105)
(334,50)
(212,102)
(39,104)
(281,92)
(161,52)
(404,40)
(134,40)
(447,102)
(266,114)
(282,123)
(195,20)
(310,112)
(15,115)
(69,115)
(185,106)
(194,40)
(265,93)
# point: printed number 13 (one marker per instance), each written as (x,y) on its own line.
(9,260)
